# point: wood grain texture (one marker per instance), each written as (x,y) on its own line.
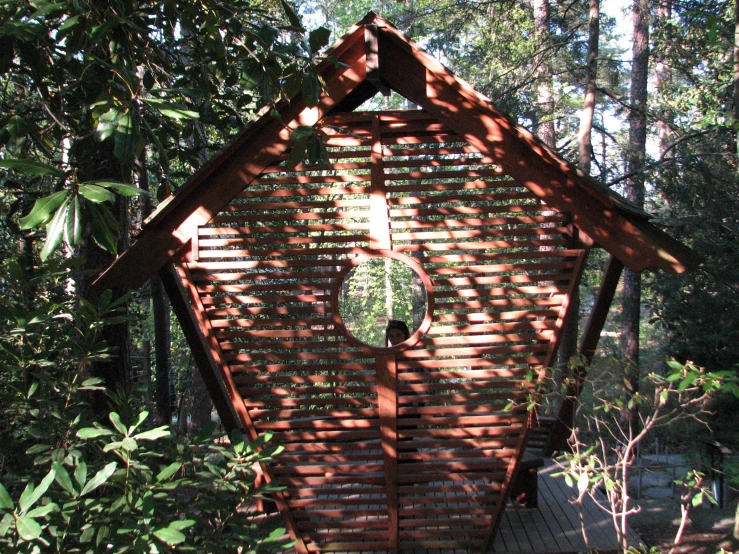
(405,447)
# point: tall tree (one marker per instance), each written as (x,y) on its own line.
(584,136)
(544,125)
(568,344)
(92,87)
(635,168)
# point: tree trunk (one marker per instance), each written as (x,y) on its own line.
(160,309)
(584,141)
(162,348)
(201,402)
(635,162)
(568,344)
(544,96)
(96,161)
(664,78)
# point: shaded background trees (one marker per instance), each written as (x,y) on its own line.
(143,94)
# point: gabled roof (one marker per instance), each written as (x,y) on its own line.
(374,55)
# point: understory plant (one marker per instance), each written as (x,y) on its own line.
(76,481)
(603,445)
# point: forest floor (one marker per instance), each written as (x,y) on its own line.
(707,532)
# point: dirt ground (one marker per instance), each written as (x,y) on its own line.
(707,532)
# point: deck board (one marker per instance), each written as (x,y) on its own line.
(554,527)
(551,528)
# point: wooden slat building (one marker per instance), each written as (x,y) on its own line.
(386,449)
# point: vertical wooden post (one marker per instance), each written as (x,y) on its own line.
(387,399)
(379,217)
(566,417)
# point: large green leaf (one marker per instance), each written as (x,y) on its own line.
(102,234)
(5,523)
(62,477)
(95,193)
(122,188)
(31,495)
(311,88)
(154,434)
(100,478)
(92,432)
(80,474)
(74,222)
(43,210)
(301,133)
(167,472)
(125,138)
(31,167)
(43,511)
(170,536)
(171,109)
(318,38)
(55,230)
(108,123)
(292,16)
(317,151)
(28,528)
(5,501)
(115,419)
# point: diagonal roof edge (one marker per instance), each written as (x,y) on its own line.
(611,221)
(407,69)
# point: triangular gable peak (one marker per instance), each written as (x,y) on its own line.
(375,51)
(386,448)
(387,440)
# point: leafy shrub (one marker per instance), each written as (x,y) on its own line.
(75,481)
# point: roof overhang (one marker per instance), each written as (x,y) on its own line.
(372,57)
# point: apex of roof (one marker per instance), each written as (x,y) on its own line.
(373,56)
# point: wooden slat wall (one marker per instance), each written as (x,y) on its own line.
(265,268)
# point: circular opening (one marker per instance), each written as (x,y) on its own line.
(382,302)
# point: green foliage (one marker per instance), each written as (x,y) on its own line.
(91,96)
(376,291)
(74,481)
(604,459)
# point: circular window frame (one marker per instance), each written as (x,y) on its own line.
(361,256)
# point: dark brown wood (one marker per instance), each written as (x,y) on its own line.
(417,76)
(409,444)
(373,61)
(387,398)
(562,427)
(200,346)
(206,356)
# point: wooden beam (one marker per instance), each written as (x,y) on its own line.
(208,192)
(597,319)
(189,311)
(387,399)
(200,346)
(607,220)
(566,416)
(373,59)
(379,217)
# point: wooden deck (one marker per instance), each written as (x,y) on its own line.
(555,525)
(552,527)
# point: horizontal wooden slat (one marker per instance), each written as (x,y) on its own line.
(481,233)
(285,215)
(287,228)
(476,222)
